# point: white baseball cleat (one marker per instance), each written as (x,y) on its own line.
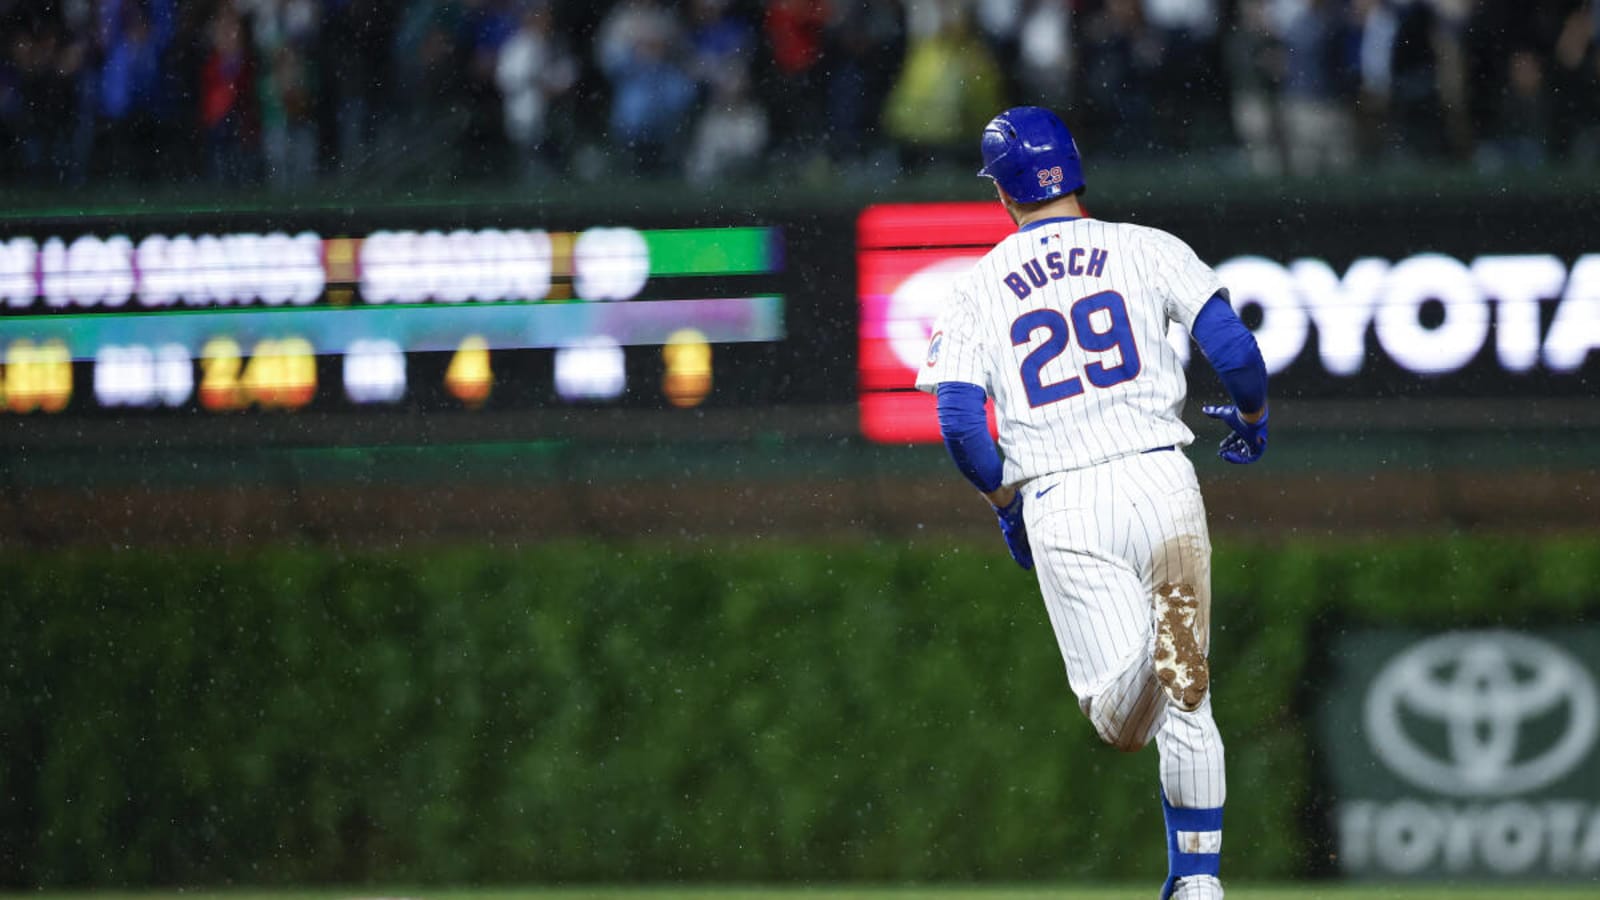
(1198,887)
(1180,665)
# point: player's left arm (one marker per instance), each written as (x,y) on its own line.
(1232,351)
(1194,296)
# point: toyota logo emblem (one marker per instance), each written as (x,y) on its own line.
(1456,714)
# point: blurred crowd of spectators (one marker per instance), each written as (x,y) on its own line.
(285,91)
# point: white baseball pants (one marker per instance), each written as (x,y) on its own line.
(1104,537)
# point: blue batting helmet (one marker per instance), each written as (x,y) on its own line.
(1029,152)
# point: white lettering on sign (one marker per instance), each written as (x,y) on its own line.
(136,375)
(1518,283)
(1576,329)
(593,369)
(374,371)
(88,272)
(1341,308)
(100,273)
(413,267)
(18,259)
(610,264)
(1448,345)
(1260,282)
(1430,313)
(1513,838)
(232,269)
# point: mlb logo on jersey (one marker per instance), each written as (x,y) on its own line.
(934,345)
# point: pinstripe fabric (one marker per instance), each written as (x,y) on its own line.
(1104,537)
(1109,534)
(1192,759)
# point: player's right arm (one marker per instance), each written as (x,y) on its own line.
(957,373)
(965,428)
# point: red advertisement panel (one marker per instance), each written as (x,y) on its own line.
(907,256)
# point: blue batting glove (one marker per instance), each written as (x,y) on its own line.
(1015,531)
(1249,439)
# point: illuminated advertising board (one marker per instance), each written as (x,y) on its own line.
(1464,754)
(907,257)
(1426,324)
(233,321)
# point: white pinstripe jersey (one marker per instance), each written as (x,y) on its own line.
(1065,324)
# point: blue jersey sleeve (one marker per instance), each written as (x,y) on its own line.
(965,428)
(1231,349)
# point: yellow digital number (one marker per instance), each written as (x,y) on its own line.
(281,373)
(38,376)
(470,376)
(300,369)
(56,361)
(21,396)
(687,380)
(261,377)
(220,390)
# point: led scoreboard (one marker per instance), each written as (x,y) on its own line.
(227,321)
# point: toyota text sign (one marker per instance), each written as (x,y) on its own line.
(1353,324)
(1468,753)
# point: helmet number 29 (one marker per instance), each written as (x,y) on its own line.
(1050,176)
(1100,323)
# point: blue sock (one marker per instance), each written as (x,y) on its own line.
(1200,850)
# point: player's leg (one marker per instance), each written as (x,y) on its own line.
(1102,545)
(1193,782)
(1193,791)
(1099,605)
(1176,560)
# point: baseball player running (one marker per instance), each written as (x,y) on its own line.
(1064,324)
